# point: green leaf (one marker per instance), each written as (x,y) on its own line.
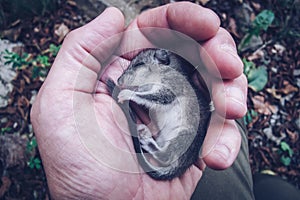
(248,66)
(43,60)
(286,148)
(263,20)
(253,113)
(248,118)
(257,78)
(35,72)
(53,49)
(32,144)
(4,130)
(37,163)
(34,163)
(285,160)
(30,163)
(17,60)
(245,41)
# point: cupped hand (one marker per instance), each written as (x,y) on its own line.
(86,151)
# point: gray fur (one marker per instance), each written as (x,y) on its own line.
(160,81)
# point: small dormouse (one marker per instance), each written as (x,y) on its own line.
(160,83)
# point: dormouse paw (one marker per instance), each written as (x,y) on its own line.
(143,131)
(125,95)
(146,140)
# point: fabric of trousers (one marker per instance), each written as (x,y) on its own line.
(234,183)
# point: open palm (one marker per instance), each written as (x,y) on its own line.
(82,134)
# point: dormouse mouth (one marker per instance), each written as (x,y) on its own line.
(141,113)
(143,117)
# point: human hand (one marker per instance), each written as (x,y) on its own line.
(73,109)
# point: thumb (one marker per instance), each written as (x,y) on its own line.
(65,97)
(78,63)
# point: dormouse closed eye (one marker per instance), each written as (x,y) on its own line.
(138,64)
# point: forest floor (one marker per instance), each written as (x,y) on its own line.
(271,56)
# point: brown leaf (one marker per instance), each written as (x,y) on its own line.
(292,135)
(72,3)
(203,2)
(23,105)
(263,107)
(293,173)
(258,54)
(232,27)
(288,88)
(9,110)
(272,108)
(26,78)
(281,169)
(43,41)
(13,151)
(6,182)
(21,87)
(274,93)
(61,30)
(263,156)
(256,6)
(12,34)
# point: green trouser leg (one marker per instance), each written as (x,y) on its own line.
(230,184)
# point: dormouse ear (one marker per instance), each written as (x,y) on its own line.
(162,56)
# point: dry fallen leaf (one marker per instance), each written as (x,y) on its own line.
(293,136)
(269,134)
(203,2)
(13,151)
(263,156)
(233,28)
(257,6)
(274,92)
(278,48)
(256,55)
(6,182)
(61,30)
(263,107)
(288,88)
(72,3)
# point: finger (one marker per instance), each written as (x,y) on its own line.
(177,16)
(229,97)
(78,62)
(222,50)
(221,144)
(170,27)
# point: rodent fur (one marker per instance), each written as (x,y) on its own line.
(161,81)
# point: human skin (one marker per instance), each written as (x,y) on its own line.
(72,172)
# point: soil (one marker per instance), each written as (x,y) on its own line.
(273,117)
